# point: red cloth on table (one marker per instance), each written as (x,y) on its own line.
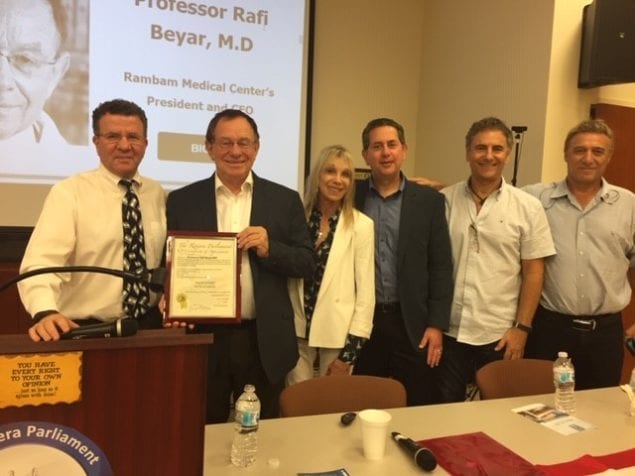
(477,454)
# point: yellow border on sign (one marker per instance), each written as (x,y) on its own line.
(37,379)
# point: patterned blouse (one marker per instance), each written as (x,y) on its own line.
(312,286)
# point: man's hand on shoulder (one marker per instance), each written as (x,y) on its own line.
(51,327)
(435,184)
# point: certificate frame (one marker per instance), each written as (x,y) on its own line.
(203,277)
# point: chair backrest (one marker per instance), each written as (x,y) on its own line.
(341,393)
(515,378)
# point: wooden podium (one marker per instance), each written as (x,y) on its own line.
(143,398)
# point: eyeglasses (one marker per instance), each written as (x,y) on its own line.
(26,63)
(114,138)
(227,144)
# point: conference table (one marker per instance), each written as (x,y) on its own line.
(288,446)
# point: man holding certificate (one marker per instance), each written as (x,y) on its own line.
(273,244)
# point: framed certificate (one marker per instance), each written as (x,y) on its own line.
(203,277)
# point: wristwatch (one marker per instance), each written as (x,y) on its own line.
(522,327)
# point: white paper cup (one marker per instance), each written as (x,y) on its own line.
(374,432)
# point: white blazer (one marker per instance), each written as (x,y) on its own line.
(346,299)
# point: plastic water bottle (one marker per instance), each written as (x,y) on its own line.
(564,381)
(245,445)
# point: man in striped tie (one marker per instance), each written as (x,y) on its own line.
(110,217)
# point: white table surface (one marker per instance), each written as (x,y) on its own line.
(320,443)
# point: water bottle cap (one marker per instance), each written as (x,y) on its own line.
(563,354)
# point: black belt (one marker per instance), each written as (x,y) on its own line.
(583,323)
(388,307)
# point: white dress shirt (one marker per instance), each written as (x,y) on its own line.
(233,212)
(487,249)
(81,225)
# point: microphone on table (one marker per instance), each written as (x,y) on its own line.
(423,457)
(154,278)
(118,328)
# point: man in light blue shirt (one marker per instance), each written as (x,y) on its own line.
(587,282)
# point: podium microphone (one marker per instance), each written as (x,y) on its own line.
(423,457)
(119,328)
(154,278)
(519,132)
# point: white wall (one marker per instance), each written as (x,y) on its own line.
(482,58)
(438,65)
(367,64)
(619,94)
(566,104)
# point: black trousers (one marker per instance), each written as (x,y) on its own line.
(388,353)
(459,364)
(594,343)
(233,362)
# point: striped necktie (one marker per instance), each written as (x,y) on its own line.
(136,295)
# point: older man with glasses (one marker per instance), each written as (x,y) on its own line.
(32,63)
(275,244)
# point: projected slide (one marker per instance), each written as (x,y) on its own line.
(181,61)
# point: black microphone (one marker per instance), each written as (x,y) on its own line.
(119,328)
(423,457)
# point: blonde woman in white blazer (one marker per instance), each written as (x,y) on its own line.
(334,309)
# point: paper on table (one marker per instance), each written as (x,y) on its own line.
(556,420)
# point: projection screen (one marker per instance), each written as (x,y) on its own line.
(181,61)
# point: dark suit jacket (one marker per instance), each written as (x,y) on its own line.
(279,210)
(424,261)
